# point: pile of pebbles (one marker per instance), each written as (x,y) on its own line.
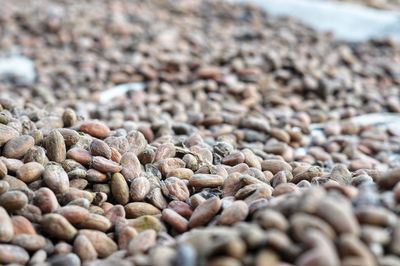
(243,148)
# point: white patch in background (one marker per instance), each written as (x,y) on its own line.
(119,90)
(19,67)
(347,21)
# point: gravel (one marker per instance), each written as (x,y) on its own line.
(247,144)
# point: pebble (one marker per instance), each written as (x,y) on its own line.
(206,180)
(274,166)
(205,212)
(236,212)
(175,189)
(55,146)
(7,133)
(103,245)
(17,147)
(179,223)
(13,254)
(58,227)
(22,225)
(145,222)
(64,260)
(30,172)
(13,200)
(6,227)
(29,242)
(46,200)
(119,189)
(56,178)
(139,189)
(95,128)
(142,242)
(104,165)
(84,248)
(138,209)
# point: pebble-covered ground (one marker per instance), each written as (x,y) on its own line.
(254,141)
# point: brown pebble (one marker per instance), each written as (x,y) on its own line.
(176,221)
(175,189)
(114,213)
(131,167)
(30,172)
(29,242)
(22,225)
(103,245)
(3,169)
(74,214)
(389,178)
(39,257)
(140,188)
(206,180)
(18,146)
(353,250)
(236,212)
(14,183)
(274,166)
(12,164)
(119,189)
(341,174)
(182,173)
(182,208)
(55,146)
(142,242)
(84,248)
(137,209)
(31,212)
(71,137)
(115,155)
(322,252)
(80,155)
(13,200)
(104,165)
(125,235)
(58,227)
(13,254)
(280,135)
(6,134)
(95,176)
(100,148)
(137,142)
(36,154)
(339,216)
(46,200)
(56,178)
(145,222)
(96,222)
(96,129)
(74,194)
(205,212)
(78,183)
(234,158)
(6,226)
(284,188)
(164,151)
(69,117)
(376,216)
(271,219)
(62,248)
(169,164)
(251,159)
